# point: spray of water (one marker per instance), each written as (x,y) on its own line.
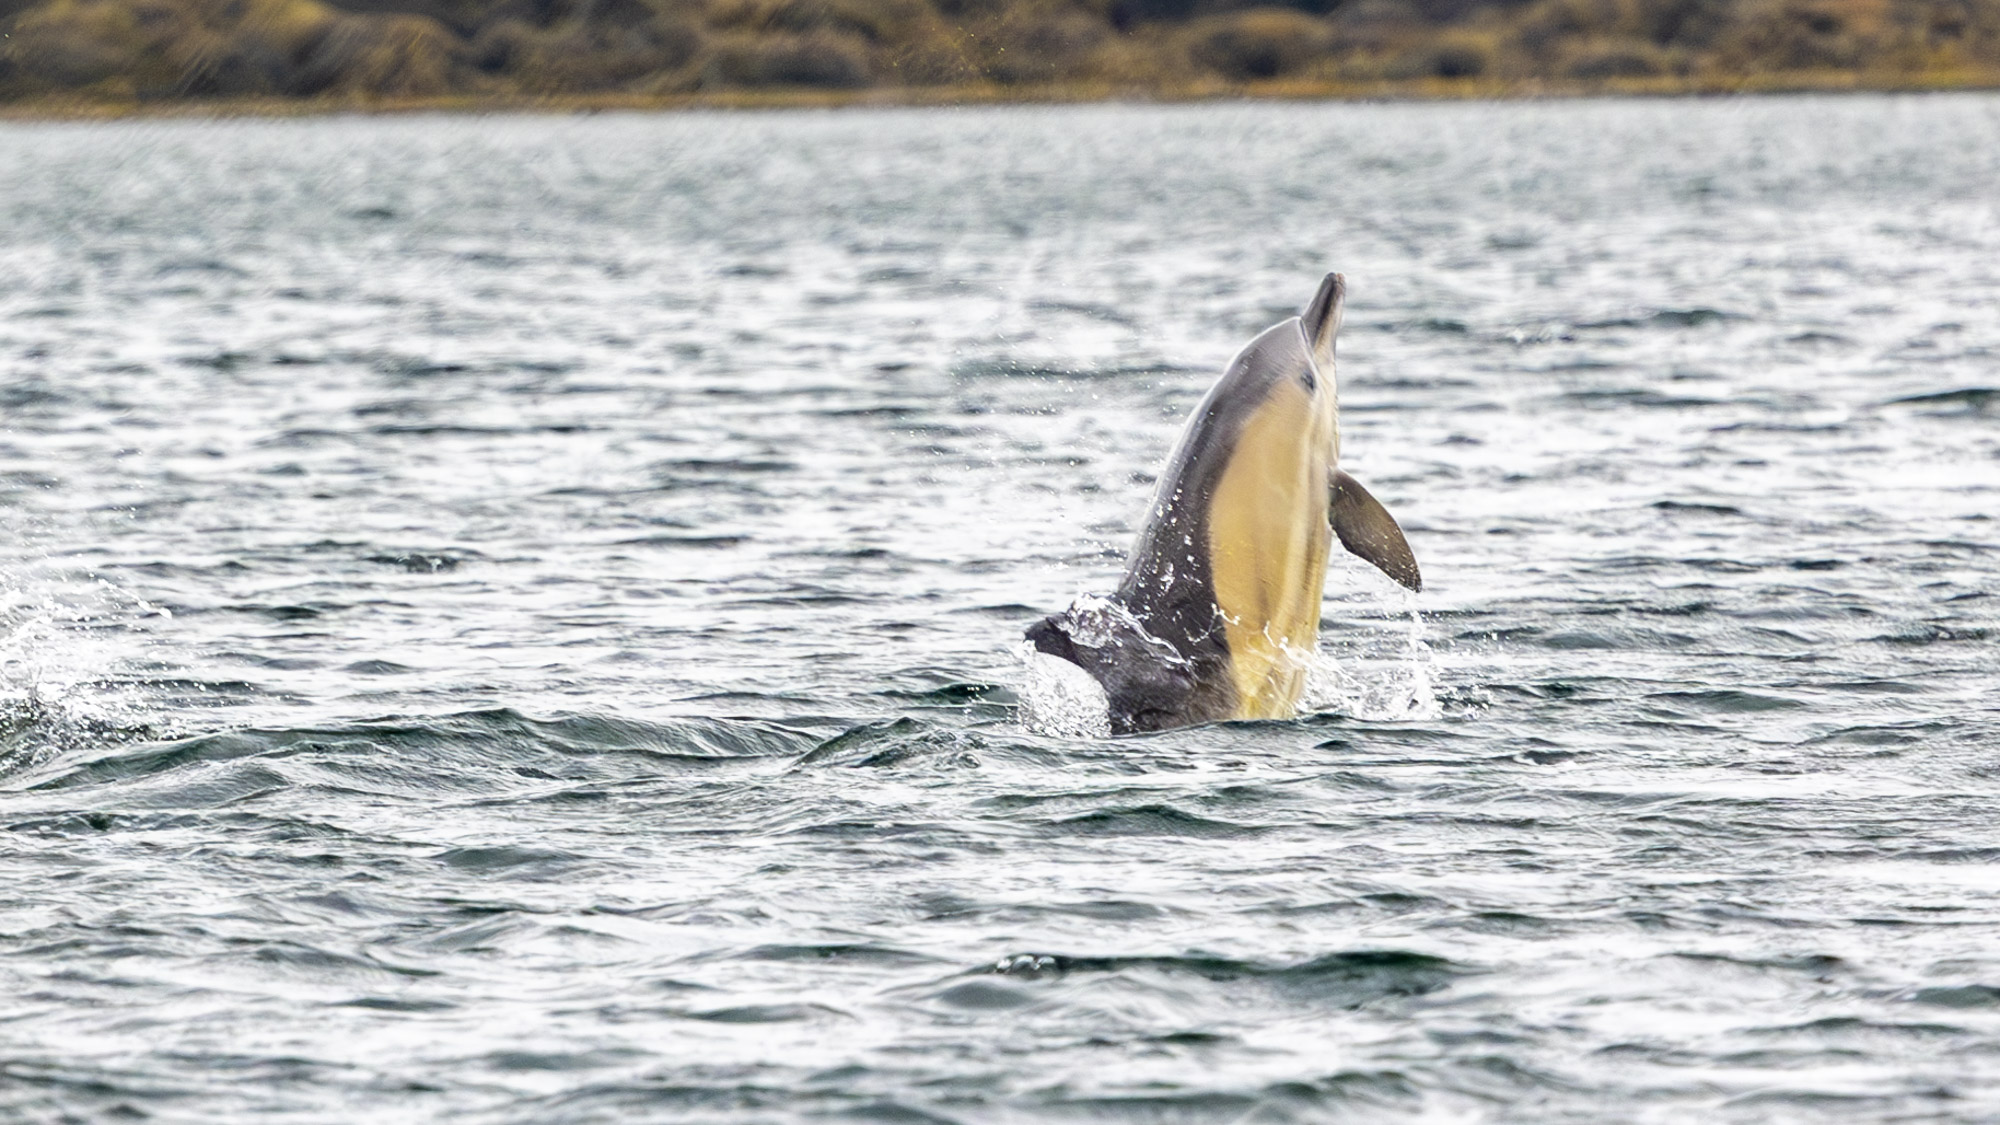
(1401,685)
(63,641)
(1060,699)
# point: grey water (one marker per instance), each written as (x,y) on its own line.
(514,619)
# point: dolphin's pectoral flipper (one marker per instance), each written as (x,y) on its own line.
(1367,530)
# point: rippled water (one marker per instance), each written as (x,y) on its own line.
(514,619)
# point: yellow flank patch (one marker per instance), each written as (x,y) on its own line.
(1267,544)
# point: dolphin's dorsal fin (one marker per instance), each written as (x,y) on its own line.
(1321,320)
(1367,529)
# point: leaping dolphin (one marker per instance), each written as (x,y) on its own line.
(1220,601)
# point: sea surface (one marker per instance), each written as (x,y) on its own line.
(516,618)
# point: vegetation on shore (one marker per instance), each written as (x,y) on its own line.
(84,55)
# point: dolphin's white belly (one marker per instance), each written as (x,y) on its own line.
(1268,545)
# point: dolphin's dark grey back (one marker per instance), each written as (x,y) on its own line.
(1147,684)
(1168,568)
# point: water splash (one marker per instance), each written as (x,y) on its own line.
(1400,687)
(1060,699)
(1096,621)
(1420,665)
(62,639)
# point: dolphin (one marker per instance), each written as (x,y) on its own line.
(1219,606)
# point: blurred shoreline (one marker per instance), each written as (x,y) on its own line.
(72,108)
(101,58)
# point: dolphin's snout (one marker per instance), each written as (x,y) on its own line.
(1321,320)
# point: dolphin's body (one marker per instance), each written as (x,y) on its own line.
(1219,606)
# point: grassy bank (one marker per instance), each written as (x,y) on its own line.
(101,57)
(66,107)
